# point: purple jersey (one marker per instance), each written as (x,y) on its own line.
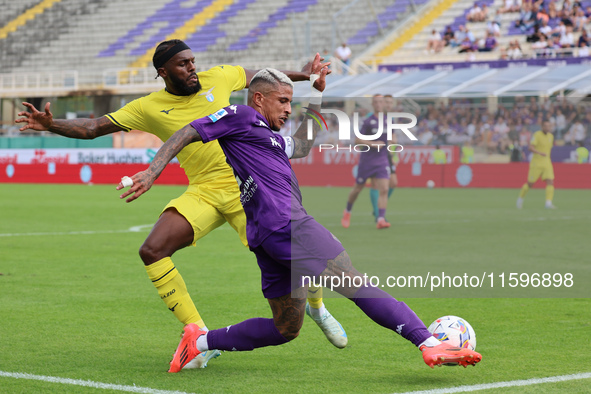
(269,190)
(373,156)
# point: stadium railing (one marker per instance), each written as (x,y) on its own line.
(38,84)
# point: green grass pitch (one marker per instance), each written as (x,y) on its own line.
(75,301)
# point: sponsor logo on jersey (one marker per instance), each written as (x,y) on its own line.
(217,115)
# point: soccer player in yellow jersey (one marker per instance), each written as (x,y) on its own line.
(212,197)
(540,165)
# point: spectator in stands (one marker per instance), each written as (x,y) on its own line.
(448,35)
(566,9)
(490,43)
(510,6)
(540,47)
(514,50)
(343,53)
(475,14)
(527,18)
(535,36)
(467,44)
(579,20)
(583,50)
(552,11)
(459,36)
(483,13)
(567,40)
(435,43)
(494,28)
(576,133)
(583,39)
(545,28)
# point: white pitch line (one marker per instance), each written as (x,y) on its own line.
(134,229)
(512,383)
(87,383)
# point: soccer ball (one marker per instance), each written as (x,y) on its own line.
(455,331)
(430,184)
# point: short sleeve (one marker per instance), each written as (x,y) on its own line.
(228,121)
(235,76)
(130,117)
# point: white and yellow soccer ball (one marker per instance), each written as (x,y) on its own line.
(454,331)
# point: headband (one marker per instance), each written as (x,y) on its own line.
(181,46)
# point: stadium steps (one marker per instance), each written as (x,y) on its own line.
(42,31)
(425,20)
(313,26)
(28,15)
(183,31)
(233,28)
(11,10)
(77,46)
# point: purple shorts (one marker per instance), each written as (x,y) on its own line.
(302,248)
(366,170)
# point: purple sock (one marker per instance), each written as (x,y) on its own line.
(349,206)
(247,335)
(390,313)
(382,212)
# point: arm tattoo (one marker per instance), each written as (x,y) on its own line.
(84,128)
(172,147)
(303,145)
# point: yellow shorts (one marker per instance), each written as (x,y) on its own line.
(207,208)
(535,172)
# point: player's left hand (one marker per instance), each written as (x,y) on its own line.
(142,182)
(316,65)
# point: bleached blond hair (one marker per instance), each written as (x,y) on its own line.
(271,76)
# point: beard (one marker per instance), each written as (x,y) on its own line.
(182,88)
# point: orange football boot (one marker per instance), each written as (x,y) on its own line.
(449,355)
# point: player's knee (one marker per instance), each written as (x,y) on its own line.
(149,254)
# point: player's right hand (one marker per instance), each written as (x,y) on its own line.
(142,182)
(35,119)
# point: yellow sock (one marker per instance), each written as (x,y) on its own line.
(173,291)
(315,297)
(549,192)
(524,190)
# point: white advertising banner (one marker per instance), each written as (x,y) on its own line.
(78,156)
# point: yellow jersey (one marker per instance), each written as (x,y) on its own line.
(162,114)
(542,143)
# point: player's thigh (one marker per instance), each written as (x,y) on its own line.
(198,212)
(235,216)
(226,199)
(548,174)
(170,233)
(535,172)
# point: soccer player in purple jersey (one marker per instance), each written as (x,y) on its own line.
(288,243)
(373,164)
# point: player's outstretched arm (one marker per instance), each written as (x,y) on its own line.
(143,181)
(296,76)
(303,145)
(71,128)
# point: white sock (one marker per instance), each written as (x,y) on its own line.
(317,313)
(430,342)
(548,203)
(204,328)
(202,343)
